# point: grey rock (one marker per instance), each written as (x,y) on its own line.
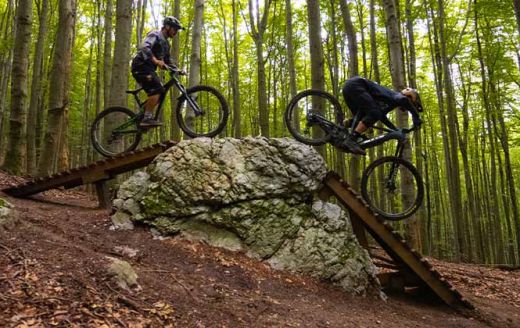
(126,251)
(123,274)
(8,215)
(254,195)
(122,221)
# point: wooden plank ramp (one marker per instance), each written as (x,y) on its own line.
(409,260)
(96,173)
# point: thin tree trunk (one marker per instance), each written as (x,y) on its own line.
(516,5)
(258,27)
(99,46)
(492,214)
(353,70)
(317,60)
(59,80)
(175,131)
(119,80)
(14,159)
(195,59)
(397,71)
(36,87)
(454,173)
(107,54)
(237,120)
(6,56)
(353,63)
(413,224)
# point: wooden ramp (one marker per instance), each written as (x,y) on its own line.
(96,173)
(414,270)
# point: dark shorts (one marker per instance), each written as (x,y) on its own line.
(150,82)
(360,101)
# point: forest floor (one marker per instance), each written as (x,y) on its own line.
(53,273)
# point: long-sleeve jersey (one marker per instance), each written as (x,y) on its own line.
(154,44)
(388,99)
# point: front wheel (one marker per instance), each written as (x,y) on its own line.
(381,188)
(301,108)
(114,131)
(213,118)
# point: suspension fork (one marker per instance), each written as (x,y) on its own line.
(194,105)
(398,153)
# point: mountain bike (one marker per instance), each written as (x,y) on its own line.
(315,117)
(201,111)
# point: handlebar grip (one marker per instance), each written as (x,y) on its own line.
(176,70)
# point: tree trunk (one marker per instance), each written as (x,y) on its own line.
(237,131)
(353,70)
(373,44)
(107,54)
(258,27)
(397,71)
(516,5)
(175,131)
(353,63)
(195,59)
(454,173)
(119,80)
(6,56)
(99,54)
(317,60)
(58,85)
(36,87)
(413,224)
(14,160)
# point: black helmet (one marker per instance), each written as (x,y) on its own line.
(414,96)
(173,22)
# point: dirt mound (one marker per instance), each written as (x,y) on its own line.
(53,272)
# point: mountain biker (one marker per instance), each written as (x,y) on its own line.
(373,102)
(154,52)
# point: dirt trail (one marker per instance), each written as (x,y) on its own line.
(53,273)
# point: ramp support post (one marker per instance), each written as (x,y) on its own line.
(103,194)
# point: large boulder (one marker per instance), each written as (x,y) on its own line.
(255,195)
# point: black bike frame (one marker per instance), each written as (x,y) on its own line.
(398,135)
(172,82)
(330,127)
(392,133)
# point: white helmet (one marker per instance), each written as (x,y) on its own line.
(414,96)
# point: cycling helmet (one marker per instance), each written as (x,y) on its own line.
(173,22)
(414,96)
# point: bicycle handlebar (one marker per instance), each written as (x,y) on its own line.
(408,130)
(175,70)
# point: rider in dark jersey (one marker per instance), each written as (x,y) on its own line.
(154,52)
(373,102)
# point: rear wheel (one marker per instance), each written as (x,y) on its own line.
(381,188)
(311,102)
(214,115)
(115,130)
